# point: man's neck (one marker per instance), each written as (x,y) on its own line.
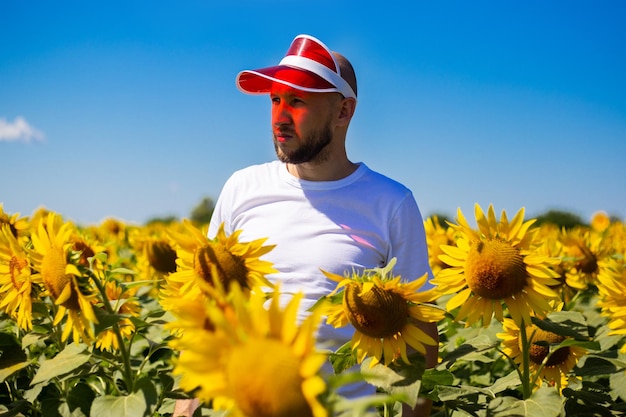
(325,171)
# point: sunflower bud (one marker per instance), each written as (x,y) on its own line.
(229,267)
(376,313)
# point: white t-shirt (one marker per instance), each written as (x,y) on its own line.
(361,221)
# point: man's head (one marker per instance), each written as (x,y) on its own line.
(313,92)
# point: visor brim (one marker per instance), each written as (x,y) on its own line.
(260,81)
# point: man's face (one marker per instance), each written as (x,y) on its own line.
(301,124)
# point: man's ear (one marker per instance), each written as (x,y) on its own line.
(346,111)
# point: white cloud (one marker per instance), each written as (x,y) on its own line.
(19,131)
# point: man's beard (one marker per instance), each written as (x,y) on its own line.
(311,149)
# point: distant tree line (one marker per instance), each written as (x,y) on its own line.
(200,214)
(560,218)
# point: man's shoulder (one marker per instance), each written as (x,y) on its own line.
(257,170)
(383,183)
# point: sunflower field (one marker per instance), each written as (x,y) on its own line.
(124,320)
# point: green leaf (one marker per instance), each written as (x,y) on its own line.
(334,299)
(511,381)
(580,343)
(451,393)
(32,394)
(7,341)
(12,357)
(66,361)
(603,336)
(100,256)
(81,396)
(593,365)
(618,384)
(133,405)
(467,399)
(33,338)
(545,402)
(126,271)
(564,323)
(401,380)
(362,406)
(16,409)
(166,381)
(592,399)
(9,370)
(10,350)
(39,308)
(434,377)
(105,320)
(470,350)
(50,401)
(145,387)
(343,358)
(64,411)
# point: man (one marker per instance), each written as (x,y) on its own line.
(321,210)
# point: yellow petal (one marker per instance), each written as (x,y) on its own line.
(458,299)
(65,295)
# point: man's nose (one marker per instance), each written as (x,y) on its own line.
(280,116)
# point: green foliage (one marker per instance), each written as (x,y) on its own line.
(70,358)
(43,376)
(403,381)
(562,219)
(162,220)
(545,402)
(442,218)
(201,214)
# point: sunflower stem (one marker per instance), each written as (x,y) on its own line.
(127,371)
(526,391)
(512,362)
(58,329)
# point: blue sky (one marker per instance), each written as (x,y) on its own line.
(130,110)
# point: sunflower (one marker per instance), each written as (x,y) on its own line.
(586,254)
(156,256)
(112,235)
(38,216)
(383,309)
(191,314)
(616,233)
(552,366)
(551,246)
(600,221)
(61,279)
(111,227)
(437,235)
(234,261)
(15,279)
(496,264)
(19,225)
(84,247)
(251,360)
(124,305)
(612,299)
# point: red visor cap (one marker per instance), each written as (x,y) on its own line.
(308,65)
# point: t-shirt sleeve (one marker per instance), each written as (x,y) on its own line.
(408,243)
(222,210)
